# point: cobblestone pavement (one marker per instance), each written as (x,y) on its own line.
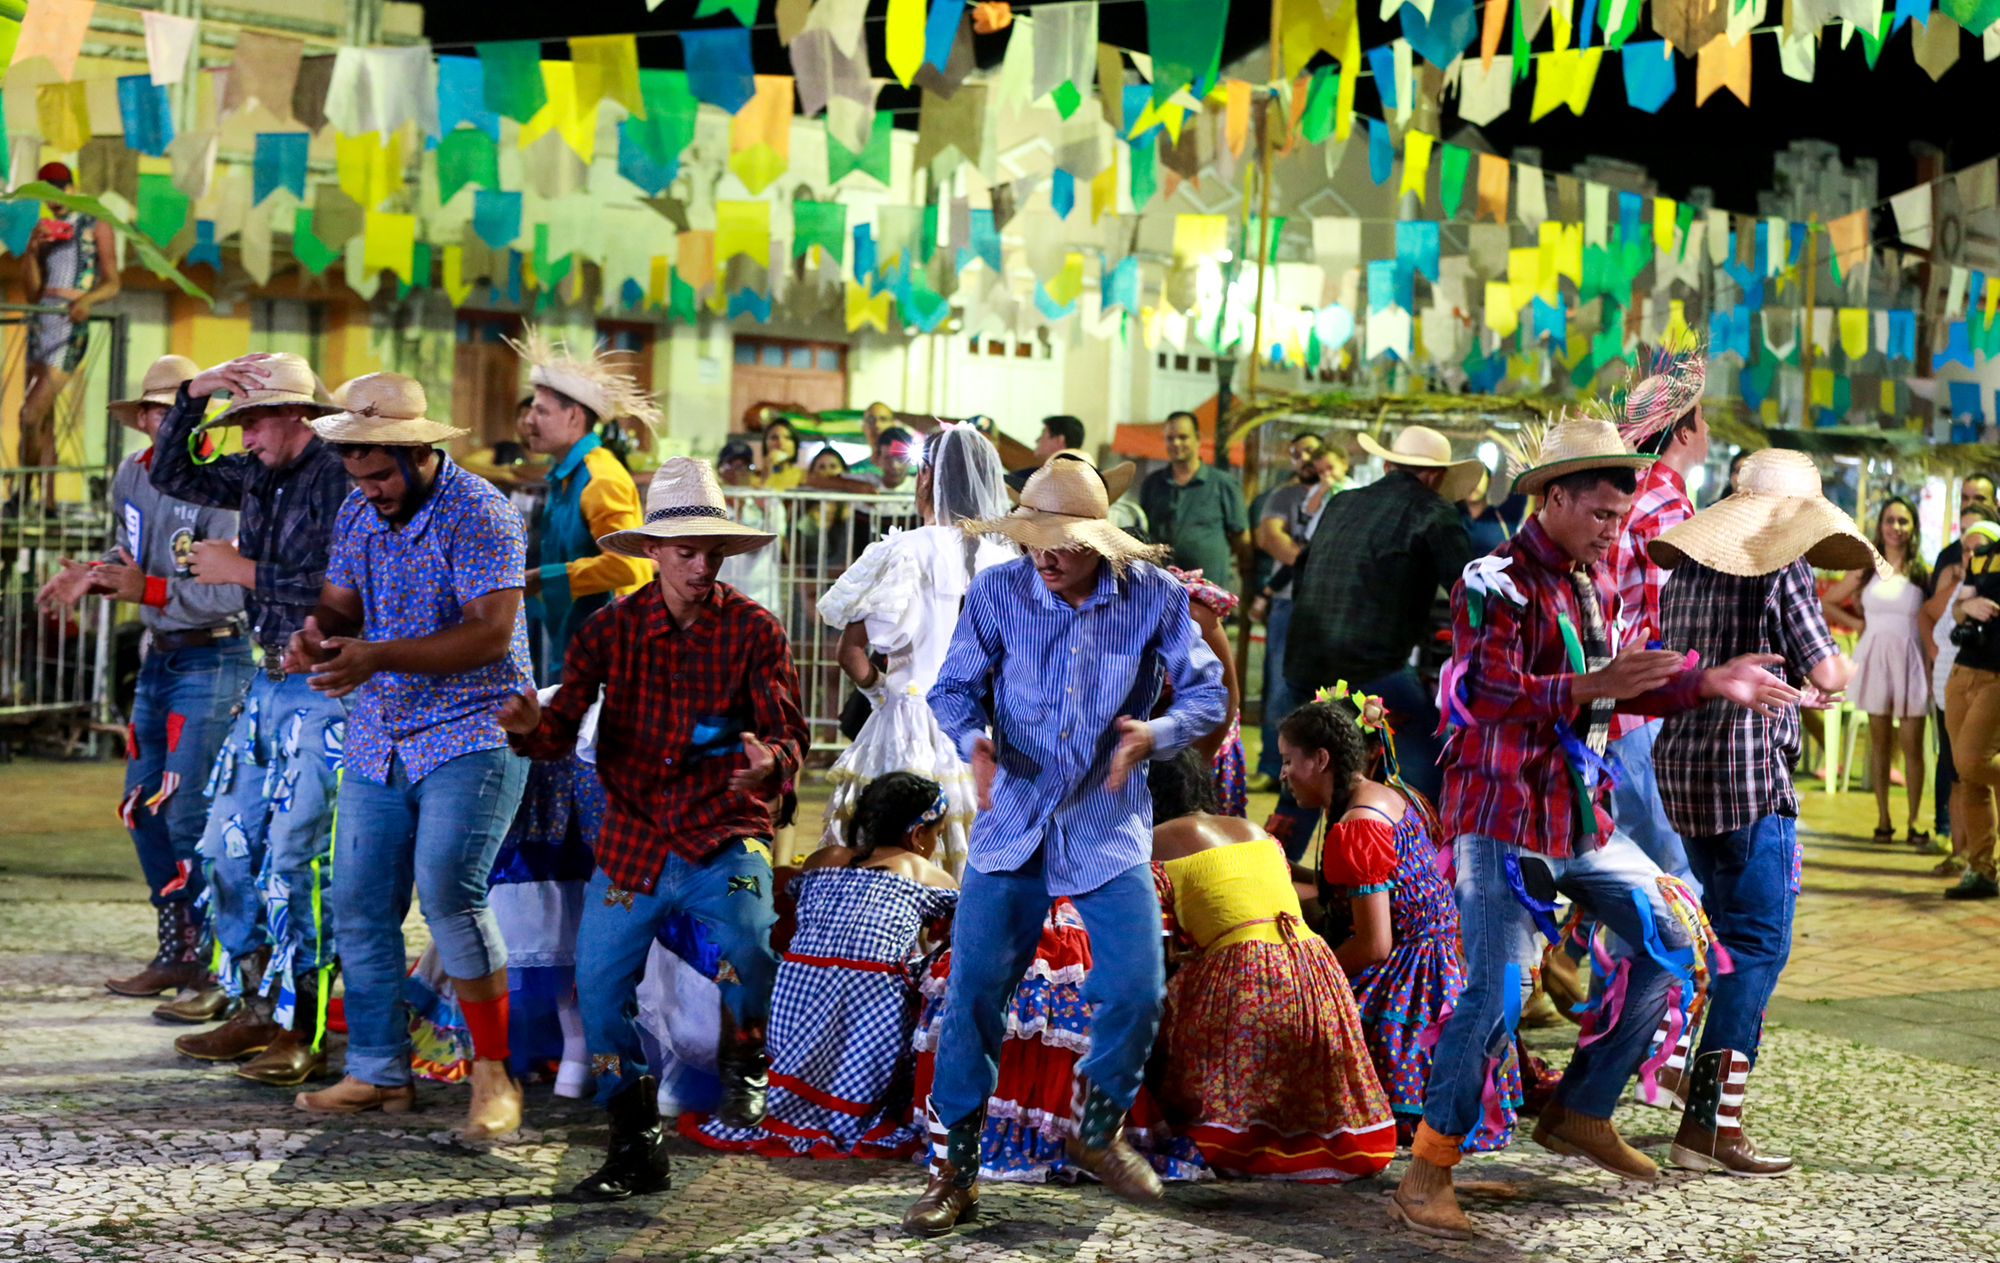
(113,1148)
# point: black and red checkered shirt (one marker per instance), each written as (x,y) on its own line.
(675,703)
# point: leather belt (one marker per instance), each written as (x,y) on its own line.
(196,638)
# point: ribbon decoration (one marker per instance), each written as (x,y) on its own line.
(1539,909)
(1484,577)
(1451,700)
(1606,1007)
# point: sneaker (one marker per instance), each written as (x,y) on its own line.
(1974,885)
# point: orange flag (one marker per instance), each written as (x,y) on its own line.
(1493,187)
(1490,33)
(1723,65)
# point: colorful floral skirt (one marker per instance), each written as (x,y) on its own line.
(1231,787)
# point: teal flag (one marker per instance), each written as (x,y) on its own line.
(1185,40)
(512,74)
(823,224)
(467,156)
(872,161)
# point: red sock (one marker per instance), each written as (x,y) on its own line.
(486,1020)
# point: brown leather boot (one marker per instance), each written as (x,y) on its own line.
(196,1005)
(1711,1136)
(172,967)
(1100,1147)
(1581,1136)
(352,1096)
(952,1195)
(1424,1202)
(248,1032)
(293,1056)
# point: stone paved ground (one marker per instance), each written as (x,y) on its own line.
(113,1148)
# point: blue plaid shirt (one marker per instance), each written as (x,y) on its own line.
(1052,681)
(465,542)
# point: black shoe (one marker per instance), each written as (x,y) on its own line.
(746,1079)
(1974,885)
(637,1161)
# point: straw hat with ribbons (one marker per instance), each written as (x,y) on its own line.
(1064,506)
(684,501)
(601,381)
(1569,444)
(289,382)
(1420,447)
(161,384)
(1117,479)
(1776,515)
(387,409)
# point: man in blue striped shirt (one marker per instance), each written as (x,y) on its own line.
(1061,654)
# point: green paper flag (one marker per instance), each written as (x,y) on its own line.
(1067,98)
(149,254)
(1184,38)
(162,208)
(1145,173)
(1317,120)
(680,300)
(549,273)
(1630,23)
(668,127)
(467,156)
(1974,15)
(512,72)
(927,239)
(745,11)
(1684,220)
(1519,48)
(822,224)
(1451,179)
(314,255)
(872,161)
(1871,42)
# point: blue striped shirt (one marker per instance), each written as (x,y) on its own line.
(1057,680)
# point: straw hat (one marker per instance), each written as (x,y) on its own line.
(385,408)
(161,384)
(1775,516)
(1065,506)
(1116,479)
(601,382)
(1679,376)
(1420,447)
(1570,444)
(685,501)
(290,381)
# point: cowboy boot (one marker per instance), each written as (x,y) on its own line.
(636,1162)
(352,1096)
(1099,1146)
(1595,1139)
(207,1000)
(1424,1201)
(952,1195)
(746,1076)
(250,1027)
(297,1054)
(496,1101)
(172,966)
(1711,1135)
(1670,1081)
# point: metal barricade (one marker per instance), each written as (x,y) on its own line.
(820,534)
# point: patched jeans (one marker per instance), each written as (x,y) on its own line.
(438,835)
(728,894)
(180,716)
(270,829)
(1619,886)
(1746,878)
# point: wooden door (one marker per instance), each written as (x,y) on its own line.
(486,379)
(810,376)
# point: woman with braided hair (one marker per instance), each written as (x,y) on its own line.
(846,999)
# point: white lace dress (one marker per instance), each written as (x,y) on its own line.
(1889,674)
(907,589)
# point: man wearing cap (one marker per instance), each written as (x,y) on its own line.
(1742,583)
(196,661)
(420,620)
(1534,682)
(272,788)
(700,731)
(590,493)
(1057,661)
(69,266)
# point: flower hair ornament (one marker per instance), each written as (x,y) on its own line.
(1373,716)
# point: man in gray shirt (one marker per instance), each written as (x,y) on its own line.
(195,660)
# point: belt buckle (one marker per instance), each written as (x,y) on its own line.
(274,668)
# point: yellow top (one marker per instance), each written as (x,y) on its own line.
(785,479)
(1219,889)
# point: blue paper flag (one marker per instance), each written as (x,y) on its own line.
(1907,9)
(1137,97)
(1649,75)
(1628,218)
(280,163)
(1381,151)
(1589,21)
(1965,400)
(496,217)
(148,115)
(462,97)
(1550,319)
(985,242)
(631,293)
(1120,285)
(1902,343)
(718,66)
(1417,246)
(1755,381)
(1062,193)
(747,301)
(939,29)
(513,275)
(1049,307)
(1382,65)
(1381,285)
(1451,27)
(17,220)
(204,249)
(1957,350)
(1798,243)
(639,166)
(864,251)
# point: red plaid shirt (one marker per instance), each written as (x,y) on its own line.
(675,702)
(1506,776)
(1661,503)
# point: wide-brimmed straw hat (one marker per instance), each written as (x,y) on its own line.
(1420,447)
(601,381)
(1117,479)
(1775,516)
(384,408)
(685,501)
(161,384)
(1064,506)
(1570,444)
(290,381)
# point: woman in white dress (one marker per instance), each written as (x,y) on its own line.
(1891,661)
(900,599)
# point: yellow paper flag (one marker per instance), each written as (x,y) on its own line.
(743,228)
(1104,192)
(1502,316)
(760,134)
(1569,259)
(1524,275)
(560,113)
(1664,210)
(1554,75)
(1889,396)
(903,37)
(63,110)
(390,241)
(1416,163)
(1067,284)
(1822,387)
(607,66)
(657,282)
(369,169)
(1198,237)
(865,310)
(456,287)
(1854,331)
(1583,77)
(1992,297)
(1548,257)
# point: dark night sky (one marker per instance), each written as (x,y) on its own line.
(1727,146)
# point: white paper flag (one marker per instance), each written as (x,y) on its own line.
(169,40)
(1913,216)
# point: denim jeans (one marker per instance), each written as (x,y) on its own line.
(179,718)
(1279,698)
(270,828)
(1944,780)
(1636,806)
(1746,877)
(729,894)
(1499,931)
(1417,748)
(440,835)
(993,938)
